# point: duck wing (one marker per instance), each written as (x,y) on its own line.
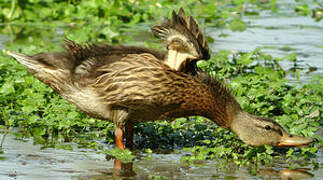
(140,82)
(89,57)
(184,39)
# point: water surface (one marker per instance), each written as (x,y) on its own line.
(279,34)
(22,159)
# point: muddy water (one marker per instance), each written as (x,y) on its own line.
(279,34)
(21,159)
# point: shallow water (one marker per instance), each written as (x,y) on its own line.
(22,159)
(279,34)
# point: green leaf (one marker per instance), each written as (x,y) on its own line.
(238,25)
(7,88)
(245,59)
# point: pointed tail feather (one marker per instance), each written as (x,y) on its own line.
(25,60)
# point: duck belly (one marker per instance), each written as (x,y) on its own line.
(87,99)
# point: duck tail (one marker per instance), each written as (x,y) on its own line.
(25,60)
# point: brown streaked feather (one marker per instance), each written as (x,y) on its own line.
(140,82)
(87,59)
(81,53)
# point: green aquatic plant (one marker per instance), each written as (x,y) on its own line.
(123,155)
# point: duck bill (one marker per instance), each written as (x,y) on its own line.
(294,141)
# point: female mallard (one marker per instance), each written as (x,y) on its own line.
(124,87)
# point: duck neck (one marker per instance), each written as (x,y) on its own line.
(225,112)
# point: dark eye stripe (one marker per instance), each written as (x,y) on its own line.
(273,129)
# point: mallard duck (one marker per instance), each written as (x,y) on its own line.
(126,87)
(185,42)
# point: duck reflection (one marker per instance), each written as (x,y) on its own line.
(119,171)
(285,174)
(122,170)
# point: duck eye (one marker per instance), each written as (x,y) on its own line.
(267,127)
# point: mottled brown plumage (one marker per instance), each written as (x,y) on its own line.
(123,87)
(142,83)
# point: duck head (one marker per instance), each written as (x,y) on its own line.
(258,131)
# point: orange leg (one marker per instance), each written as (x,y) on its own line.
(129,135)
(119,138)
